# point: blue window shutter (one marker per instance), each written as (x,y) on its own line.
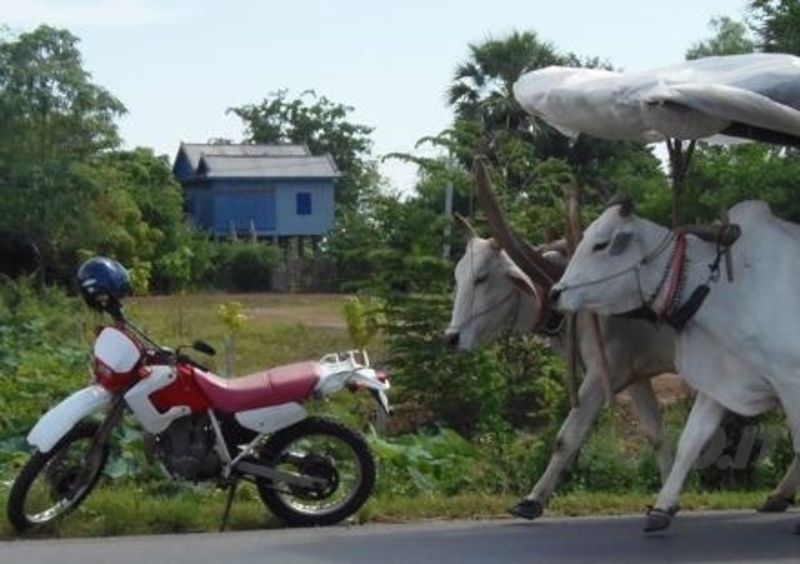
(303,203)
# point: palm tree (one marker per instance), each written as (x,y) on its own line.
(482,85)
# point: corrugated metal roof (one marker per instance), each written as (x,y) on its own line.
(194,151)
(267,166)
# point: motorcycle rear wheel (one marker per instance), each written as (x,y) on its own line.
(53,483)
(322,448)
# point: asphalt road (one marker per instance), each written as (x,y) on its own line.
(730,537)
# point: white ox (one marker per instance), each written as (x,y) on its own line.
(493,296)
(739,350)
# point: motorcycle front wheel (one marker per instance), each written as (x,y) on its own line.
(53,483)
(322,448)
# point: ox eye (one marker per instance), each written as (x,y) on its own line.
(600,246)
(481,278)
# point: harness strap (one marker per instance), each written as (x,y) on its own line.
(678,318)
(664,303)
(669,289)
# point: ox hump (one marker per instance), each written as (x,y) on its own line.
(750,211)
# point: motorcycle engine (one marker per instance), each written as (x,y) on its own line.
(187,448)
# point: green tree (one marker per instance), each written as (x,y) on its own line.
(388,243)
(722,176)
(776,22)
(55,120)
(730,38)
(322,125)
(159,229)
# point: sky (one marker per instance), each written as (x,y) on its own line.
(178,65)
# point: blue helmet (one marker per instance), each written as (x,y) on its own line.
(103,282)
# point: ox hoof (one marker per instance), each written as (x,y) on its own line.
(658,519)
(528,509)
(776,504)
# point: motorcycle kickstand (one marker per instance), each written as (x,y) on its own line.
(228,502)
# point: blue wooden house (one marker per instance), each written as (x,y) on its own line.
(257,191)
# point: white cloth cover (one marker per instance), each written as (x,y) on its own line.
(753,96)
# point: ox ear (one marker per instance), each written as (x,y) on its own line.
(620,242)
(624,202)
(521,281)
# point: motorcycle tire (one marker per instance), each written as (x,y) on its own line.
(323,448)
(45,489)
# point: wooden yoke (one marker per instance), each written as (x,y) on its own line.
(571,344)
(723,234)
(595,334)
(574,229)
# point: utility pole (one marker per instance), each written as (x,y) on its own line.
(448,211)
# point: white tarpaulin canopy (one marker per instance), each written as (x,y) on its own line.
(754,96)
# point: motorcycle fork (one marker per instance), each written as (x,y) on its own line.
(101,438)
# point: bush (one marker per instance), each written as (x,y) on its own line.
(246,267)
(44,356)
(436,461)
(514,383)
(603,465)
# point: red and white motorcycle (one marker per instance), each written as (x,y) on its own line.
(309,470)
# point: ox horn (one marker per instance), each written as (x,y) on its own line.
(624,202)
(465,226)
(532,263)
(528,259)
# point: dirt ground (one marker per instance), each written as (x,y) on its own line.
(670,388)
(314,310)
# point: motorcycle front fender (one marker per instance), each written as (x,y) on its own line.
(60,419)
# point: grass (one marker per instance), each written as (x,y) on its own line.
(279,328)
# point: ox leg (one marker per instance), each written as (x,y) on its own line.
(782,496)
(648,412)
(704,418)
(571,436)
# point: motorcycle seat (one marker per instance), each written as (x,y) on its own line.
(274,386)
